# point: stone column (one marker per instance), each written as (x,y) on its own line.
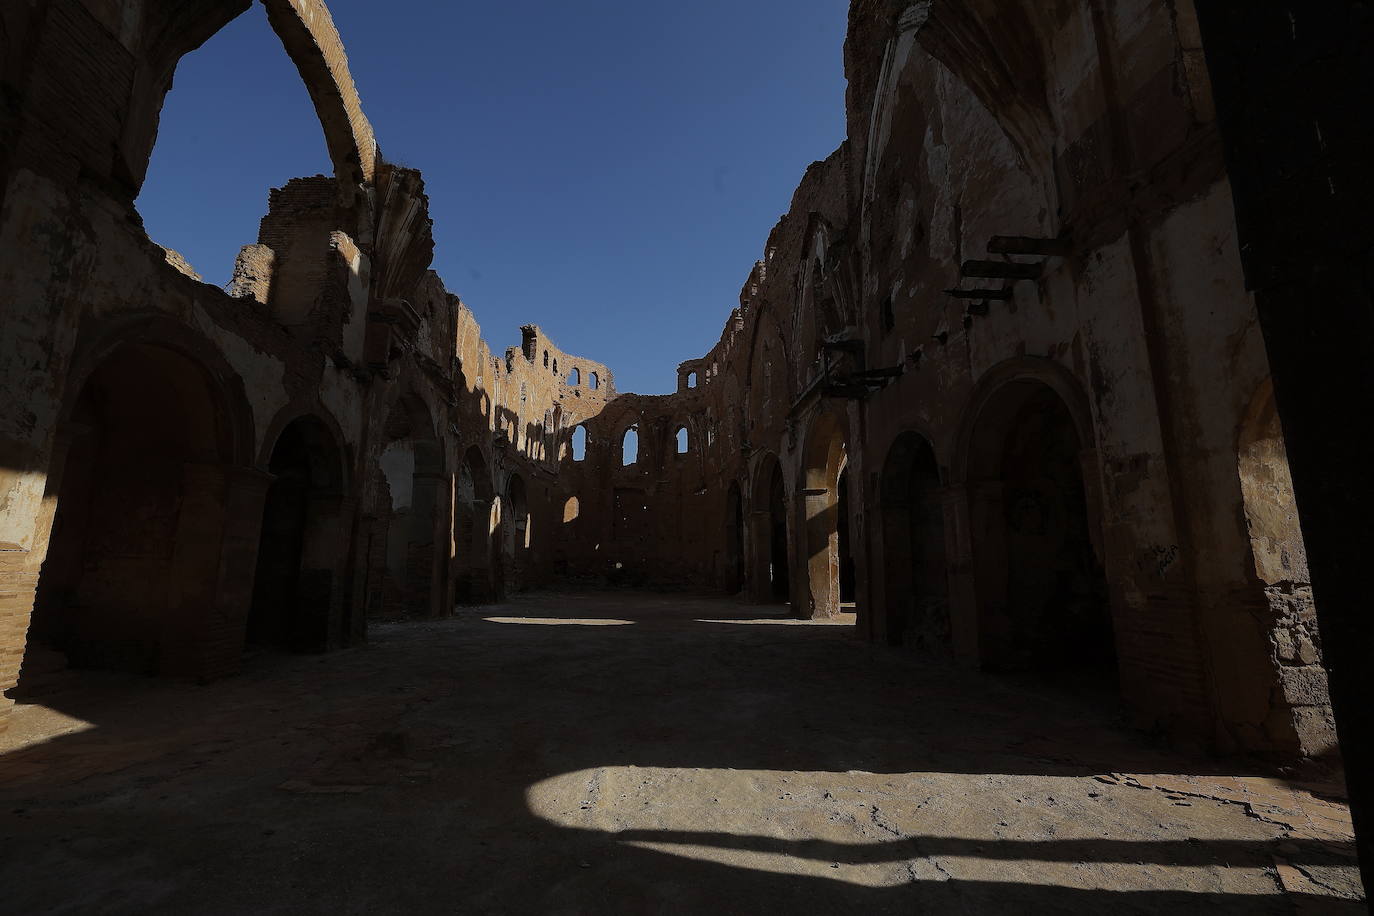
(1286,77)
(210,581)
(820,554)
(21,561)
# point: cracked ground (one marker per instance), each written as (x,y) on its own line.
(634,753)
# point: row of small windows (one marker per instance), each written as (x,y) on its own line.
(629,444)
(574,377)
(593,380)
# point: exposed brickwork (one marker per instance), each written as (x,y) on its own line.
(17,584)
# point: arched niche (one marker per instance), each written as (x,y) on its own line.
(516,531)
(915,567)
(412,510)
(770,569)
(297,594)
(734,539)
(1041,589)
(153,477)
(475,507)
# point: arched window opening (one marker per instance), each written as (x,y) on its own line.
(555,367)
(682,440)
(691,379)
(175,195)
(579,443)
(571,510)
(546,359)
(629,451)
(595,381)
(575,377)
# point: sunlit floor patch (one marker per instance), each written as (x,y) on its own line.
(842,620)
(887,830)
(560,621)
(32,724)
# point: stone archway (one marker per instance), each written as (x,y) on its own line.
(770,575)
(412,505)
(1041,590)
(310,39)
(296,589)
(143,567)
(474,507)
(734,540)
(915,568)
(516,532)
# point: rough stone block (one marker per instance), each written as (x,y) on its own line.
(1305,686)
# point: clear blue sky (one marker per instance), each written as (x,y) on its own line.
(606,170)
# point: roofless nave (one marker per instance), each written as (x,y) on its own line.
(997,380)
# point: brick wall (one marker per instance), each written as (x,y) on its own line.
(17,584)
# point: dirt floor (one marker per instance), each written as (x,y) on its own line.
(633,753)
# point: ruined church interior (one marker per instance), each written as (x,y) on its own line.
(1006,554)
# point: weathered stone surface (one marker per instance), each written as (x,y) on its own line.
(592,752)
(1085,470)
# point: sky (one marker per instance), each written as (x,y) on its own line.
(608,170)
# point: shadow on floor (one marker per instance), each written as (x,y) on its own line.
(430,771)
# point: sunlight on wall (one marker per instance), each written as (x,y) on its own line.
(21,493)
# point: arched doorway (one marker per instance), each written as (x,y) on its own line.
(1041,587)
(413,465)
(915,571)
(132,575)
(734,540)
(295,598)
(516,531)
(473,579)
(770,580)
(826,458)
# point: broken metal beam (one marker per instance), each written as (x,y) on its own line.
(849,392)
(890,372)
(848,344)
(1018,244)
(1002,270)
(1000,295)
